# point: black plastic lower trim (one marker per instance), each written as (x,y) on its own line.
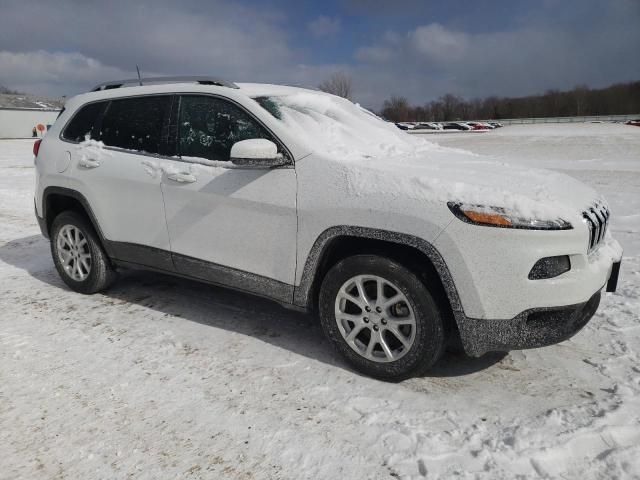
(612,283)
(233,278)
(139,254)
(537,327)
(41,223)
(308,281)
(130,255)
(67,192)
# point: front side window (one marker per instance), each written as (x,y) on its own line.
(83,122)
(270,105)
(208,127)
(135,123)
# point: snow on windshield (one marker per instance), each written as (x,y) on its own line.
(339,128)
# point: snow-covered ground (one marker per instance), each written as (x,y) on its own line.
(162,378)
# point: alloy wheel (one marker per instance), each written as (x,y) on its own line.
(73,252)
(375,318)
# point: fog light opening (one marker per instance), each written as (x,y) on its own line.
(550,267)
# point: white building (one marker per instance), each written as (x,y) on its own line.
(19,122)
(20,113)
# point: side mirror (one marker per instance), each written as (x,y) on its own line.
(256,152)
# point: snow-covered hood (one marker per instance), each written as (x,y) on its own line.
(445,175)
(378,158)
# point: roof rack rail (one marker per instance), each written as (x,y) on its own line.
(133,82)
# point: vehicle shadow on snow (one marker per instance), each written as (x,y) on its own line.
(219,307)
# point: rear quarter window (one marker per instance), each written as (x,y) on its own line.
(83,123)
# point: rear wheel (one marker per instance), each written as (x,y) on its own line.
(78,255)
(381,317)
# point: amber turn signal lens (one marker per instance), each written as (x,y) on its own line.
(486,217)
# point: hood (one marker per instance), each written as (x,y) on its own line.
(377,158)
(450,175)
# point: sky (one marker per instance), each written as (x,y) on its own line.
(419,49)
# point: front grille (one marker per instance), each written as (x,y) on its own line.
(597,220)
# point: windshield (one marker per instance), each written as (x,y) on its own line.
(334,126)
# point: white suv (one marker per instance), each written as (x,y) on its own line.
(399,245)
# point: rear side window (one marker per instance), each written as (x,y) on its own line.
(135,123)
(209,126)
(83,122)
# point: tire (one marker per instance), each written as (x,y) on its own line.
(423,340)
(99,274)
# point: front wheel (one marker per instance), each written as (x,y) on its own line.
(381,317)
(78,254)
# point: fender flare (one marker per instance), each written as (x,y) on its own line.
(303,292)
(68,192)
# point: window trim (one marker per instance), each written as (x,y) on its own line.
(287,153)
(168,122)
(163,145)
(97,122)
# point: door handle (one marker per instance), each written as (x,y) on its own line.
(182,177)
(88,163)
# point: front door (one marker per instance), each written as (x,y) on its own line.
(229,225)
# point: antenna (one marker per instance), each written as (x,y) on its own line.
(139,79)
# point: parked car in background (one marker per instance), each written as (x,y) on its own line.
(427,126)
(479,126)
(635,123)
(456,126)
(405,126)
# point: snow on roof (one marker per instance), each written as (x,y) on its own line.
(268,89)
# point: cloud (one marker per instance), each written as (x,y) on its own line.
(215,38)
(54,71)
(374,54)
(437,42)
(432,59)
(80,43)
(324,26)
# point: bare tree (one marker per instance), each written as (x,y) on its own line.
(396,109)
(338,84)
(451,106)
(622,98)
(580,93)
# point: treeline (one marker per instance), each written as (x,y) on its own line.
(8,91)
(618,99)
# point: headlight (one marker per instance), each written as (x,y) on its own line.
(501,217)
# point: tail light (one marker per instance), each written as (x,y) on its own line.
(36,147)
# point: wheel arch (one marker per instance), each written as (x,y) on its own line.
(413,252)
(56,200)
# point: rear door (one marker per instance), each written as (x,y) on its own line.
(230,225)
(123,192)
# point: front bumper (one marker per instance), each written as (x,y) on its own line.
(490,268)
(537,327)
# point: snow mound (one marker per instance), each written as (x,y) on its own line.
(91,149)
